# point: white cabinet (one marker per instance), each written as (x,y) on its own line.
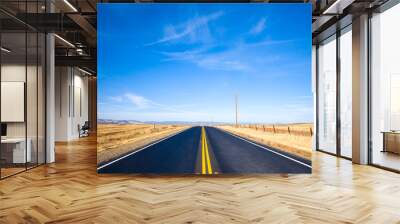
(19,155)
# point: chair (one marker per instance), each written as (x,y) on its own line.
(84,130)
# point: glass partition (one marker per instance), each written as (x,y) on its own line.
(22,88)
(13,106)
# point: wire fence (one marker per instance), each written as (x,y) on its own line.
(299,130)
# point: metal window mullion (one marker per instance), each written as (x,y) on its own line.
(69,94)
(73,92)
(45,95)
(37,91)
(60,92)
(80,102)
(26,86)
(317,96)
(369,89)
(338,98)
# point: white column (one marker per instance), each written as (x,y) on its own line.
(360,90)
(50,99)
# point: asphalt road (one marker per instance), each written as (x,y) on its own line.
(206,150)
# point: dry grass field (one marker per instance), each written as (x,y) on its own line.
(292,138)
(114,140)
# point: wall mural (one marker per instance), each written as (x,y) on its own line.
(206,89)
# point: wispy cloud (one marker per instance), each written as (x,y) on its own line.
(203,58)
(117,99)
(226,60)
(218,62)
(175,32)
(141,108)
(259,27)
(139,101)
(268,42)
(187,55)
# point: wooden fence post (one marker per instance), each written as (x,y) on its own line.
(273,126)
(288,128)
(311,132)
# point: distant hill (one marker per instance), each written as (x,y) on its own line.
(192,123)
(111,121)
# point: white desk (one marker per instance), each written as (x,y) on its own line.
(19,153)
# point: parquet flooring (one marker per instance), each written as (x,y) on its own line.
(70,191)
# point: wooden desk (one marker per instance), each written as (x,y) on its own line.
(13,150)
(391,141)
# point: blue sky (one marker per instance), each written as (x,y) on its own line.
(186,62)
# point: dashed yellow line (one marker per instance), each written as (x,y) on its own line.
(206,167)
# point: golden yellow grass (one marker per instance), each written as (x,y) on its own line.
(114,140)
(298,142)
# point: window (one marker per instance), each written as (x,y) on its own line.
(327,95)
(346,92)
(385,89)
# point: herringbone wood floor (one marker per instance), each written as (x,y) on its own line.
(70,191)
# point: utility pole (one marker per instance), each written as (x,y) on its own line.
(236,108)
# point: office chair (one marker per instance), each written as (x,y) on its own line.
(84,130)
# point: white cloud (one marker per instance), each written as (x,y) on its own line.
(218,62)
(139,101)
(117,99)
(232,59)
(269,42)
(259,27)
(137,107)
(188,55)
(226,61)
(175,32)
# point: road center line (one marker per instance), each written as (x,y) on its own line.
(203,159)
(205,156)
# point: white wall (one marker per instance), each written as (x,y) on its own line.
(62,82)
(80,110)
(71,102)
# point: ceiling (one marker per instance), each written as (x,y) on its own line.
(75,22)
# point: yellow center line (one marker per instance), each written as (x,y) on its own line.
(205,156)
(203,160)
